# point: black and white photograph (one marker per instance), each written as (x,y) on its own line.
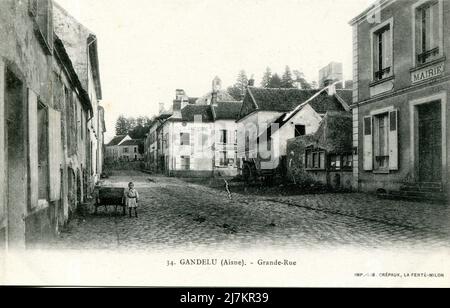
(225,143)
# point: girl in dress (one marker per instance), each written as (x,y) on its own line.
(132,198)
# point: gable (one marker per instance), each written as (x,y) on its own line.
(248,106)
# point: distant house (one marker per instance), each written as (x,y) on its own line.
(113,152)
(325,156)
(270,117)
(198,138)
(131,150)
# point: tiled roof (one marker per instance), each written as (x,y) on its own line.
(132,142)
(116,140)
(346,95)
(227,110)
(189,112)
(279,100)
(321,102)
(222,96)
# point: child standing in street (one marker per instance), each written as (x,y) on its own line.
(132,198)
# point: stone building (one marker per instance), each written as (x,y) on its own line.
(326,156)
(81,46)
(44,116)
(131,150)
(401,97)
(197,137)
(112,149)
(270,117)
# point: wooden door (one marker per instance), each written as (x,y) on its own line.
(430,142)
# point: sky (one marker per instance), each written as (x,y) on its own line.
(149,48)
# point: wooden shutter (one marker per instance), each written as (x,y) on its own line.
(2,141)
(435,26)
(54,153)
(393,140)
(33,159)
(368,144)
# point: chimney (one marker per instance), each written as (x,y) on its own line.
(176,109)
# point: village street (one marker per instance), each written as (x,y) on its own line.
(176,214)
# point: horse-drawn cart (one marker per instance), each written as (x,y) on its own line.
(110,196)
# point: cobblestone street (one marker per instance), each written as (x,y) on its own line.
(179,215)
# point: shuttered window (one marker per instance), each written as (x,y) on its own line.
(382,53)
(381,142)
(428,34)
(43,168)
(55,153)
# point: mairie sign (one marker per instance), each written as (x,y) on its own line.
(427,72)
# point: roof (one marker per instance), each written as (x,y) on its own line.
(334,135)
(81,46)
(189,112)
(116,140)
(346,95)
(67,63)
(132,142)
(222,96)
(226,110)
(280,100)
(320,101)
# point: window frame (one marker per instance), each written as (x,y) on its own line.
(417,7)
(389,23)
(296,126)
(188,139)
(315,151)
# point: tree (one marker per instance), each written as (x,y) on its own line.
(275,81)
(237,91)
(299,77)
(286,79)
(122,126)
(265,83)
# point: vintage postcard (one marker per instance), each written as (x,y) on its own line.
(213,143)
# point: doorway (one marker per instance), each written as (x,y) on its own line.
(430,142)
(16,161)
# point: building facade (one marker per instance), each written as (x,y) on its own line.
(113,152)
(401,96)
(198,137)
(270,117)
(44,115)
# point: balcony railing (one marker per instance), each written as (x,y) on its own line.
(425,56)
(383,73)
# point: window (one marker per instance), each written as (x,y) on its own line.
(43,165)
(300,130)
(135,149)
(42,13)
(185,139)
(247,141)
(185,163)
(382,52)
(125,150)
(381,142)
(340,162)
(223,159)
(223,136)
(427,32)
(235,137)
(315,159)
